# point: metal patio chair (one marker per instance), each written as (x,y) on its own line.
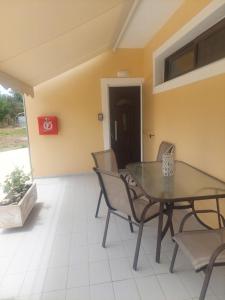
(106,160)
(204,248)
(121,203)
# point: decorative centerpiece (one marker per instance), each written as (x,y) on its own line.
(21,195)
(168,164)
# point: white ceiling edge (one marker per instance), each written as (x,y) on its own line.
(126,23)
(8,81)
(148,18)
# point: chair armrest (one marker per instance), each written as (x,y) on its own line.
(195,212)
(136,192)
(215,254)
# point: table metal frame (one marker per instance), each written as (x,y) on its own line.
(169,203)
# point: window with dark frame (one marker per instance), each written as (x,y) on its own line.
(203,50)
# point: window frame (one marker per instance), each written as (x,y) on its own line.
(194,45)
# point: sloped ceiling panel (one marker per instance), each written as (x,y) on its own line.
(43,38)
(149,17)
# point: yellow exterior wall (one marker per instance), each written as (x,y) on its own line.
(75,98)
(192,116)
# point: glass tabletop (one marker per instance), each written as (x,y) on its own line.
(187,183)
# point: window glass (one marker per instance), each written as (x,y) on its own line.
(182,64)
(205,49)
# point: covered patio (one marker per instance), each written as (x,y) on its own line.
(66,58)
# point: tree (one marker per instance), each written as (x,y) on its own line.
(17,97)
(4,109)
(10,107)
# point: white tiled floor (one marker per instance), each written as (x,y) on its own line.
(58,253)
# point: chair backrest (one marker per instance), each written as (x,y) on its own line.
(165,147)
(105,160)
(116,192)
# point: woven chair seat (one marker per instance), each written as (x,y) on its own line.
(199,245)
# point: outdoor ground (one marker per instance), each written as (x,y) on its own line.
(13,138)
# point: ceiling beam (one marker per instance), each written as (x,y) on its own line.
(15,84)
(126,23)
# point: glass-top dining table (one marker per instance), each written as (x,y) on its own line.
(187,184)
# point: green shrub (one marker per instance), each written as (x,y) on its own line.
(15,186)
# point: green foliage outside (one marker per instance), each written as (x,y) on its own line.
(10,107)
(11,111)
(15,186)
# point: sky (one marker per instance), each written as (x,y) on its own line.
(5,91)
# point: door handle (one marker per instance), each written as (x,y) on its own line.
(115,127)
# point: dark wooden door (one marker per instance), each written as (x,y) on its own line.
(124,104)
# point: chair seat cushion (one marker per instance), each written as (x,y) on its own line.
(199,245)
(129,179)
(135,190)
(139,206)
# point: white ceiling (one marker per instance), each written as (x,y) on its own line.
(41,39)
(149,17)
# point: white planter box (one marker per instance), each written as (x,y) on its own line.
(15,215)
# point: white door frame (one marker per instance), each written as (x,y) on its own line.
(105,84)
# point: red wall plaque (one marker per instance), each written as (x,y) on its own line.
(47,125)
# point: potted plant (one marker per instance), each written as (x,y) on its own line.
(21,195)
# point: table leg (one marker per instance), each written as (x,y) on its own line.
(169,223)
(159,235)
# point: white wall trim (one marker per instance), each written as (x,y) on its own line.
(205,72)
(209,16)
(105,84)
